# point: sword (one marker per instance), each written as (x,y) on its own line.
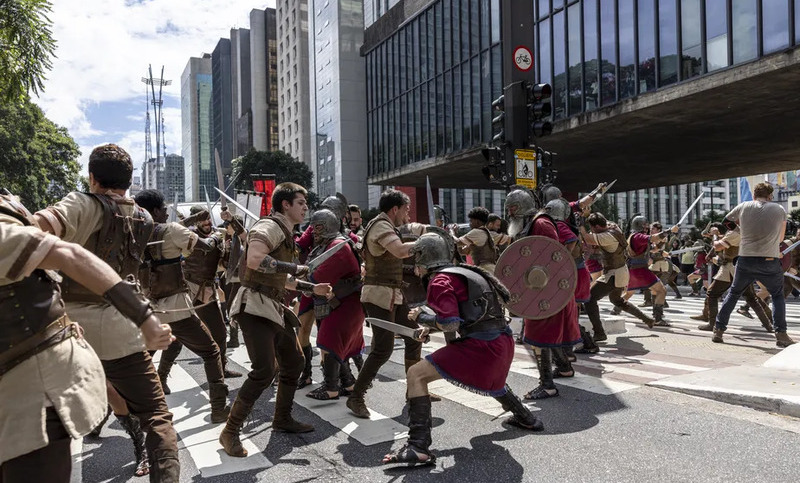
(684,250)
(208,207)
(315,263)
(155,242)
(685,215)
(431,214)
(398,329)
(604,190)
(791,247)
(220,179)
(238,205)
(173,217)
(787,274)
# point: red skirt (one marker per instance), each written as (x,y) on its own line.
(342,332)
(641,278)
(480,366)
(584,286)
(593,265)
(560,330)
(306,304)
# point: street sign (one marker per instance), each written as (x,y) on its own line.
(525,165)
(523,58)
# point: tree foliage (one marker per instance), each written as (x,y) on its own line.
(26,47)
(607,208)
(712,216)
(38,159)
(282,165)
(795,215)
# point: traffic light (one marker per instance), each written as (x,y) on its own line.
(499,120)
(540,108)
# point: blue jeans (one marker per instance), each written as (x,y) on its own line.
(769,272)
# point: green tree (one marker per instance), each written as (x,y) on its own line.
(711,217)
(607,208)
(795,215)
(282,165)
(26,47)
(38,159)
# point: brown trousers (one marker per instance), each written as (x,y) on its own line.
(53,463)
(267,341)
(211,315)
(135,379)
(193,334)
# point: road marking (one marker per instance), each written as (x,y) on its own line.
(377,429)
(191,412)
(76,450)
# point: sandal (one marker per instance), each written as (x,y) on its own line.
(321,394)
(410,455)
(539,393)
(559,375)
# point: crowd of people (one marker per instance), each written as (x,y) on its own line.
(78,345)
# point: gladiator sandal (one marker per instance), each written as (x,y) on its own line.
(545,363)
(570,353)
(305,377)
(133,427)
(589,347)
(331,369)
(218,394)
(563,365)
(658,315)
(283,420)
(229,438)
(522,416)
(419,434)
(346,379)
(630,309)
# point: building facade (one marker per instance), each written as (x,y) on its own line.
(222,105)
(338,108)
(293,92)
(197,146)
(241,92)
(263,80)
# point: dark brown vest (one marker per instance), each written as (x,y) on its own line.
(486,253)
(201,267)
(617,258)
(385,270)
(273,285)
(165,275)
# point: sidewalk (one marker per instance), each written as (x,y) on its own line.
(773,386)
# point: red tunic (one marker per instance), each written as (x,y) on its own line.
(641,276)
(560,330)
(478,365)
(305,243)
(341,332)
(583,285)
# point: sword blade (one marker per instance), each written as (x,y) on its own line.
(787,274)
(791,247)
(208,207)
(431,214)
(173,217)
(685,215)
(315,263)
(237,205)
(220,177)
(396,328)
(684,250)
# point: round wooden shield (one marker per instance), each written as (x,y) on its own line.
(540,274)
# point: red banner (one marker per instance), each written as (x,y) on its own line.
(266,186)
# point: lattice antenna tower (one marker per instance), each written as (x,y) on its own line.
(148,146)
(157,102)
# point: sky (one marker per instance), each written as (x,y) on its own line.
(104,48)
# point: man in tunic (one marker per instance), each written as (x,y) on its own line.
(660,263)
(52,386)
(478,242)
(168,291)
(550,336)
(267,324)
(467,300)
(341,317)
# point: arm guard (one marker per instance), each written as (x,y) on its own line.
(238,229)
(123,297)
(270,265)
(428,320)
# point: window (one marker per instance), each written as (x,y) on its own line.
(667,42)
(559,68)
(545,75)
(608,52)
(647,47)
(575,86)
(716,34)
(691,61)
(591,64)
(775,29)
(745,34)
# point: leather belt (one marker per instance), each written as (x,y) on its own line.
(59,330)
(271,292)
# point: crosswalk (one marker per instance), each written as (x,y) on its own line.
(612,370)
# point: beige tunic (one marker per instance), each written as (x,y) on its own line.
(479,238)
(75,219)
(610,244)
(381,236)
(725,273)
(255,303)
(178,240)
(68,376)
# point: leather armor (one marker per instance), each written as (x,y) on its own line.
(273,285)
(482,311)
(385,270)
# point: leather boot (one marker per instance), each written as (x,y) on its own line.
(166,467)
(420,423)
(589,347)
(711,310)
(658,315)
(717,337)
(522,416)
(305,377)
(331,369)
(563,365)
(782,339)
(544,362)
(630,309)
(233,341)
(283,420)
(648,299)
(593,312)
(229,438)
(346,377)
(133,427)
(358,361)
(168,358)
(218,394)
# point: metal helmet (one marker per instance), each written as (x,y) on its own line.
(196,209)
(550,193)
(432,251)
(558,209)
(440,215)
(329,223)
(336,205)
(523,201)
(638,224)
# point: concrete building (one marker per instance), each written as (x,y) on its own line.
(241,92)
(263,80)
(197,146)
(222,105)
(338,107)
(296,134)
(652,92)
(174,178)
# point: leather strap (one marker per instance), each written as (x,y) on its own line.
(51,335)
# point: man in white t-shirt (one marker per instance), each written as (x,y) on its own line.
(762,225)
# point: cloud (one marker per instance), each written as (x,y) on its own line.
(105,48)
